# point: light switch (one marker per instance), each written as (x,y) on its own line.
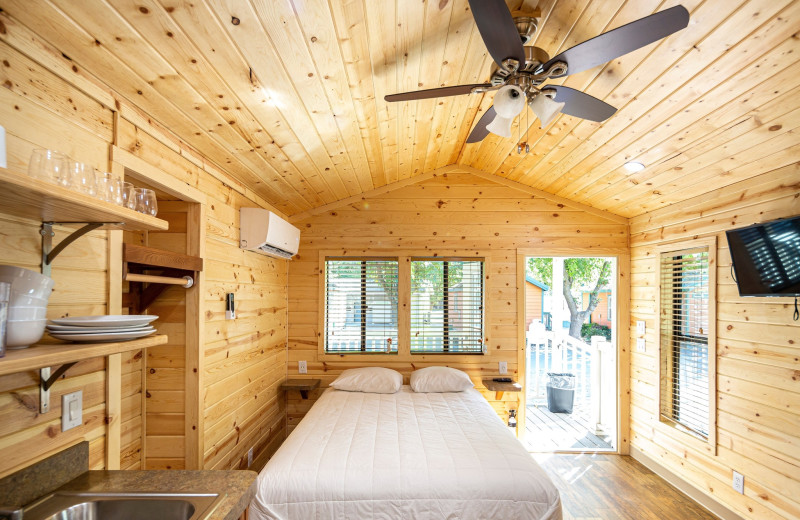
(640,345)
(640,327)
(71,410)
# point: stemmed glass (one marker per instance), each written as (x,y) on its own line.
(146,202)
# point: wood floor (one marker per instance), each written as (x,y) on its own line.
(615,487)
(547,431)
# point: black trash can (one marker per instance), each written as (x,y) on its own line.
(560,392)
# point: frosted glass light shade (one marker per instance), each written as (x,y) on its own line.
(545,109)
(500,126)
(508,103)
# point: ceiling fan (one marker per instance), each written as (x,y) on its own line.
(519,71)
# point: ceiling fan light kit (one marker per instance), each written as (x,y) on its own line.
(524,69)
(508,103)
(545,108)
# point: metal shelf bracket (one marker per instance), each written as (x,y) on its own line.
(46,381)
(49,253)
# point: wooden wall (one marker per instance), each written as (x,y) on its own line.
(758,357)
(454,213)
(50,102)
(39,110)
(244,361)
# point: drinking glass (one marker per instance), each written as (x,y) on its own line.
(50,166)
(128,195)
(146,202)
(110,188)
(83,178)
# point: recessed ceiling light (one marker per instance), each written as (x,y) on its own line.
(633,166)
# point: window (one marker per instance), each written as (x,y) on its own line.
(360,305)
(687,319)
(446,306)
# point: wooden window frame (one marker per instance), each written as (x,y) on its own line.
(663,424)
(403,353)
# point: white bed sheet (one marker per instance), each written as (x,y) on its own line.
(403,456)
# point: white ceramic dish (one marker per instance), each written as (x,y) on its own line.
(26,282)
(94,331)
(20,334)
(75,328)
(23,300)
(27,313)
(103,338)
(119,320)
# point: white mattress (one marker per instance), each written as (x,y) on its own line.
(406,455)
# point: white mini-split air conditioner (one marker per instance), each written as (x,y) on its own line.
(265,232)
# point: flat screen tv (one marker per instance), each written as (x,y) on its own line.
(766,258)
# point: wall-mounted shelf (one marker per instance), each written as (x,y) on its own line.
(304,386)
(27,197)
(500,388)
(46,355)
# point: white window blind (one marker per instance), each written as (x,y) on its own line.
(360,305)
(684,322)
(447,306)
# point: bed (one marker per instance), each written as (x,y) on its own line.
(405,455)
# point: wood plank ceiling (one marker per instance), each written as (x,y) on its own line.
(290,99)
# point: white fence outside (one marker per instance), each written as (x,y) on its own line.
(593,365)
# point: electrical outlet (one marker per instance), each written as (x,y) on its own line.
(71,410)
(302,367)
(641,345)
(249,457)
(738,482)
(640,327)
(502,366)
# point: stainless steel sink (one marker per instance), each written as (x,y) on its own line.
(122,506)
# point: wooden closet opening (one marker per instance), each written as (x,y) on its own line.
(159,428)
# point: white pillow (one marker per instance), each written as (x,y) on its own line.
(440,379)
(374,380)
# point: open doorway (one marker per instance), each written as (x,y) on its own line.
(570,354)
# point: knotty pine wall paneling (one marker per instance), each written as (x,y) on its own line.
(49,101)
(454,213)
(758,357)
(38,109)
(244,360)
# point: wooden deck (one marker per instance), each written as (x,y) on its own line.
(549,432)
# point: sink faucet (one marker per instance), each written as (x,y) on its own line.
(10,513)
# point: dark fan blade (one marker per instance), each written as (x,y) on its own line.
(480,131)
(497,30)
(578,104)
(435,92)
(622,40)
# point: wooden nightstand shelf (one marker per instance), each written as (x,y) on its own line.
(499,388)
(302,385)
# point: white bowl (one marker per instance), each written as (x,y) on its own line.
(26,313)
(22,300)
(24,333)
(26,282)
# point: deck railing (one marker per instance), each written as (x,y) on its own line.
(557,351)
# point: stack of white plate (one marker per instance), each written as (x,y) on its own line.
(101,329)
